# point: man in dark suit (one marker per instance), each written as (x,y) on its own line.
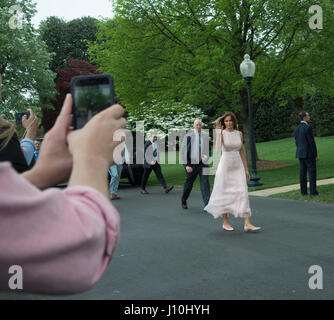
(307,154)
(195,156)
(151,162)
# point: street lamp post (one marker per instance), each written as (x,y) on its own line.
(247,69)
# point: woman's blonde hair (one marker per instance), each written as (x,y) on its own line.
(7,130)
(221,120)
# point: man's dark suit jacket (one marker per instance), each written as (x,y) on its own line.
(205,148)
(148,144)
(306,148)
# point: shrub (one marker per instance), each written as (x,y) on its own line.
(274,120)
(321,110)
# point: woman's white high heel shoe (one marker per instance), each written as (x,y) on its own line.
(227,229)
(252,229)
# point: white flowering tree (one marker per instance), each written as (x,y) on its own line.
(167,120)
(164,116)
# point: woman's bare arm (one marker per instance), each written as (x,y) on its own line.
(219,137)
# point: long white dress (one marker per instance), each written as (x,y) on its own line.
(230,191)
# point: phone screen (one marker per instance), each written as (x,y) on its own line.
(91,95)
(19,116)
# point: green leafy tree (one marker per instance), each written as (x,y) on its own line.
(63,86)
(321,109)
(191,50)
(68,39)
(275,120)
(24,61)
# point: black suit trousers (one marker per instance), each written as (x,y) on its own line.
(157,170)
(310,166)
(204,183)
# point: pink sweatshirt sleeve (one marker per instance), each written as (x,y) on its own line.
(63,240)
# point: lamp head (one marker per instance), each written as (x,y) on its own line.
(247,67)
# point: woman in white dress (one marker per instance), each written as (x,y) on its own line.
(230,191)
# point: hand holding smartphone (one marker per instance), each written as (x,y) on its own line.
(19,116)
(91,94)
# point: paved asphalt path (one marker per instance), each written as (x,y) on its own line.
(166,252)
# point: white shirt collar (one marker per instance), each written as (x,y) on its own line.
(197,133)
(154,144)
(304,122)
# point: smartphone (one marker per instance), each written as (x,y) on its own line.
(19,115)
(91,94)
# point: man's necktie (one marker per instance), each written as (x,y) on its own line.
(199,148)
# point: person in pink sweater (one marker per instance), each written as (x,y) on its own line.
(62,239)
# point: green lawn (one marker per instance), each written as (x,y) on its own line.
(326,194)
(280,150)
(284,150)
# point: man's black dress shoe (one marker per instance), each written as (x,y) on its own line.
(314,194)
(169,189)
(184,205)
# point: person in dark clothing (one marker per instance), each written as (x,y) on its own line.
(12,152)
(151,162)
(19,154)
(307,154)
